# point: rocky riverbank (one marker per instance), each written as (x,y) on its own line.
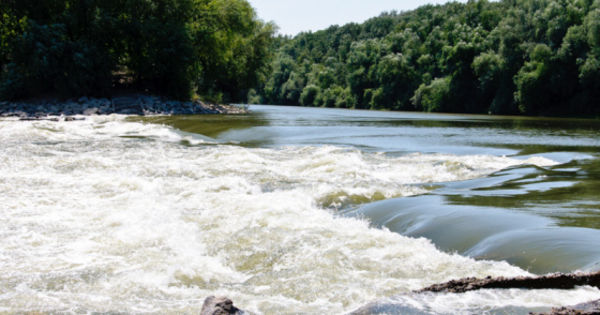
(135,104)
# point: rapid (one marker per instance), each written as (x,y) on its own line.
(289,210)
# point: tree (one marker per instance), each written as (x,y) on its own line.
(432,97)
(218,49)
(503,57)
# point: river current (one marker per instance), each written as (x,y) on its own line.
(294,211)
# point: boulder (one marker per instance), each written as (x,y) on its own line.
(220,306)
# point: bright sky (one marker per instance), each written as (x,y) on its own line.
(295,16)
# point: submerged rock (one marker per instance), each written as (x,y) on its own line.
(220,306)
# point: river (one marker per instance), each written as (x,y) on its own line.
(293,210)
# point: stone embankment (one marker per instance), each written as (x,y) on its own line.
(128,105)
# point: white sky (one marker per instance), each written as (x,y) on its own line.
(295,16)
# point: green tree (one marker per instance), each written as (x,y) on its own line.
(503,57)
(218,49)
(532,80)
(432,97)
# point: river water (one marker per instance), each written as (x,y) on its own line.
(294,211)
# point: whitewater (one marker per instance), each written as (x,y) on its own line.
(110,215)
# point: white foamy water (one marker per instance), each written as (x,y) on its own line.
(104,215)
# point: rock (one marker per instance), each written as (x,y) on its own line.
(20,114)
(382,307)
(220,306)
(91,111)
(589,308)
(73,119)
(552,281)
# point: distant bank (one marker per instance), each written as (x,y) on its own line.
(516,57)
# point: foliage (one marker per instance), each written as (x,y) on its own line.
(501,57)
(215,48)
(434,96)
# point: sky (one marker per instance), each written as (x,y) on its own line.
(295,16)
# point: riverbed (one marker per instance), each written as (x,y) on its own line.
(294,210)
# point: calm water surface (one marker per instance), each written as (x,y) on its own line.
(294,210)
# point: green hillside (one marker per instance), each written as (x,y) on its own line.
(538,57)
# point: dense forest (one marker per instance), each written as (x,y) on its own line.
(537,57)
(216,49)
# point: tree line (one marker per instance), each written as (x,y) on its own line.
(217,49)
(538,57)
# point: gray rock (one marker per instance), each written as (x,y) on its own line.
(590,308)
(220,306)
(385,307)
(19,113)
(91,111)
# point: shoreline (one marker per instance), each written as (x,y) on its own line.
(130,104)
